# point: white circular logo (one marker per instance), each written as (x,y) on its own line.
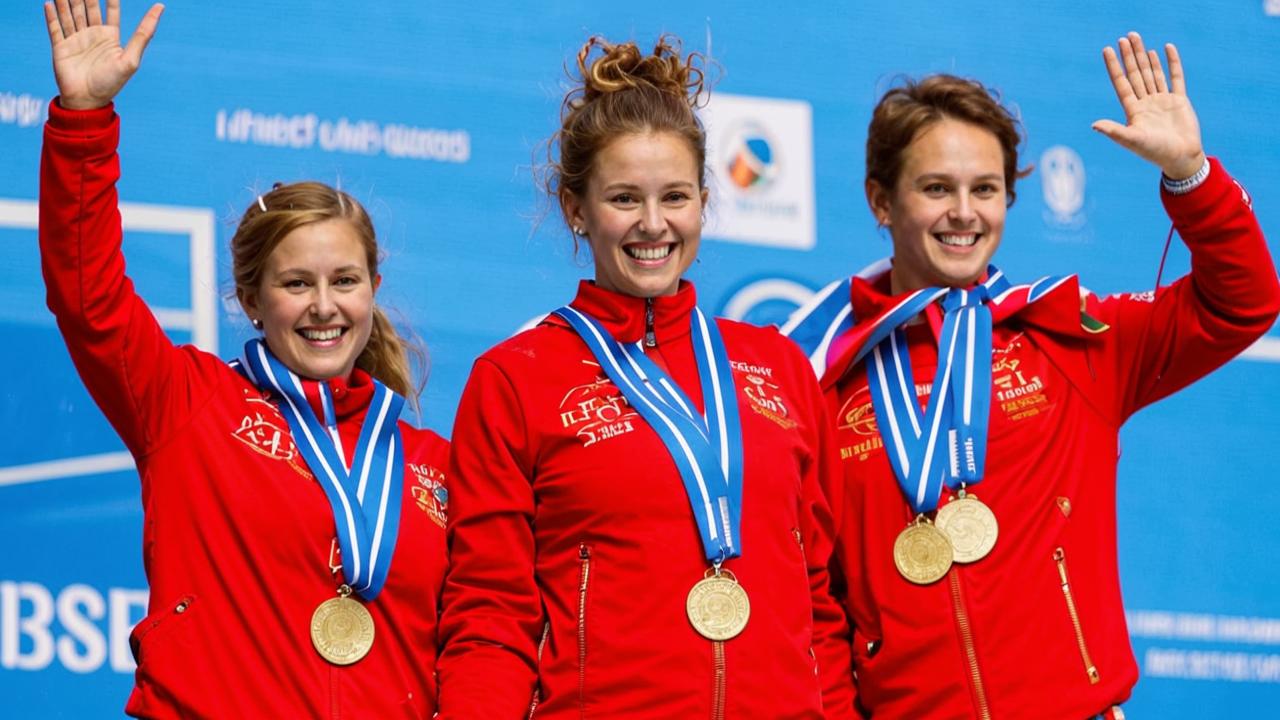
(1062,178)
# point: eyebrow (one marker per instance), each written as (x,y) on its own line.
(632,186)
(946,176)
(306,271)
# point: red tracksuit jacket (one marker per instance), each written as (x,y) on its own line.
(573,545)
(237,532)
(1037,628)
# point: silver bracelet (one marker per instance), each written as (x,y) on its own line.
(1182,187)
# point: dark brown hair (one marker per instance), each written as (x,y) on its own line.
(621,92)
(904,111)
(289,207)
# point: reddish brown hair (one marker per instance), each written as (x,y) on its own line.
(623,91)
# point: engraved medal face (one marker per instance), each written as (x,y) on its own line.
(718,607)
(970,526)
(922,553)
(342,630)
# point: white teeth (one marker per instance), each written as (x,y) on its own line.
(651,253)
(322,334)
(958,240)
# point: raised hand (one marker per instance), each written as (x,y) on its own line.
(88,61)
(1160,124)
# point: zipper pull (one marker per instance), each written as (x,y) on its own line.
(650,339)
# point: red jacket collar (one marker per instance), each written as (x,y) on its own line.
(350,396)
(624,315)
(1059,313)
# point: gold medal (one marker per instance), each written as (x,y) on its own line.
(922,553)
(970,526)
(342,629)
(718,606)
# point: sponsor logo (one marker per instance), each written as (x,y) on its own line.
(761,154)
(764,396)
(1062,180)
(1147,296)
(597,411)
(1271,7)
(265,431)
(430,493)
(765,301)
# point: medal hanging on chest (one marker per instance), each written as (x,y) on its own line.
(364,499)
(946,444)
(706,449)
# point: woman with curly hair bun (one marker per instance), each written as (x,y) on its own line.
(639,526)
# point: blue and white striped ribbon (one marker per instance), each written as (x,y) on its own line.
(706,448)
(365,499)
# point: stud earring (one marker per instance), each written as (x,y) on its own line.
(257,324)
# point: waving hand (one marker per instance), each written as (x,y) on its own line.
(89,63)
(1160,124)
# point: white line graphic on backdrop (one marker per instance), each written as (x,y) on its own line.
(201,320)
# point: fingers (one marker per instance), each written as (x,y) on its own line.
(1144,63)
(65,22)
(79,14)
(1153,57)
(1124,91)
(1131,71)
(95,12)
(142,36)
(1176,77)
(113,13)
(51,20)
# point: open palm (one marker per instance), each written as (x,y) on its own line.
(89,63)
(1160,124)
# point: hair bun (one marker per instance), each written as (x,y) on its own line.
(623,66)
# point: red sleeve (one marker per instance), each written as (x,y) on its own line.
(139,379)
(819,490)
(1198,323)
(492,617)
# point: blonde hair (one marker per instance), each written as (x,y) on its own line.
(272,216)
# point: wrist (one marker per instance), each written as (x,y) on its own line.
(1185,169)
(1183,185)
(76,103)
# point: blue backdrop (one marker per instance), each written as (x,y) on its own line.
(433,116)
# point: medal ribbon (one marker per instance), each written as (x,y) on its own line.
(365,498)
(707,449)
(947,443)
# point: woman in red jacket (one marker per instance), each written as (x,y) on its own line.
(978,434)
(638,524)
(294,528)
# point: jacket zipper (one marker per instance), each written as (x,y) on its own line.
(650,339)
(537,688)
(971,655)
(1060,557)
(584,556)
(718,690)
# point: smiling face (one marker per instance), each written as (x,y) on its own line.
(641,213)
(946,213)
(315,299)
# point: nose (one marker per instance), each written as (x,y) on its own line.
(962,211)
(322,304)
(652,222)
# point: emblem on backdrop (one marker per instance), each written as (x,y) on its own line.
(1271,7)
(760,156)
(1062,180)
